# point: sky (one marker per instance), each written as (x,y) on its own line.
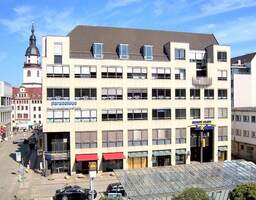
(233,22)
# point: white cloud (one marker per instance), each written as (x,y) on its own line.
(22,9)
(111,4)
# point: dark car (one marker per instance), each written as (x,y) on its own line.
(73,193)
(116,188)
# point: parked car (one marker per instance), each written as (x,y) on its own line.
(116,188)
(73,193)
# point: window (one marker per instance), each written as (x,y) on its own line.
(232,117)
(39,108)
(112,138)
(180,113)
(111,72)
(222,133)
(238,118)
(25,116)
(137,73)
(161,93)
(137,93)
(34,115)
(123,51)
(56,71)
(246,133)
(180,54)
(238,132)
(112,115)
(85,93)
(208,94)
(223,112)
(39,116)
(28,73)
(37,73)
(148,52)
(161,114)
(86,115)
(253,134)
(58,116)
(194,93)
(34,108)
(86,139)
(222,75)
(222,94)
(111,93)
(180,93)
(161,136)
(222,56)
(195,113)
(138,137)
(137,114)
(208,113)
(57,53)
(19,116)
(180,135)
(57,93)
(26,107)
(180,74)
(85,72)
(161,73)
(98,50)
(253,119)
(246,118)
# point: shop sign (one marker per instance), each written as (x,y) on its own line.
(64,104)
(92,166)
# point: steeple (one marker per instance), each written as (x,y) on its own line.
(32,50)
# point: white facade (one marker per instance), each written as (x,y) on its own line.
(67,120)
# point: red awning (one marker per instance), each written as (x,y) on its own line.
(86,157)
(113,156)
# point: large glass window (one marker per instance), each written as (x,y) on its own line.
(208,113)
(57,93)
(57,53)
(111,93)
(180,135)
(58,116)
(180,93)
(148,52)
(180,113)
(86,139)
(112,115)
(222,56)
(222,75)
(222,94)
(111,72)
(194,93)
(98,50)
(138,137)
(112,138)
(161,136)
(137,73)
(161,114)
(195,113)
(180,54)
(161,73)
(158,93)
(137,93)
(223,112)
(222,133)
(85,71)
(55,71)
(208,94)
(88,115)
(180,74)
(137,114)
(85,93)
(123,51)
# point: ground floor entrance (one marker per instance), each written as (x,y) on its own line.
(59,166)
(161,158)
(112,161)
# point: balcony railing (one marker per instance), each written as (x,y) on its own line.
(202,81)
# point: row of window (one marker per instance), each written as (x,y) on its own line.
(244,133)
(26,101)
(117,72)
(90,115)
(244,118)
(26,108)
(138,137)
(132,93)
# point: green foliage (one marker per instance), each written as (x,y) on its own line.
(246,191)
(192,194)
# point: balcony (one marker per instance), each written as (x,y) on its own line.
(202,81)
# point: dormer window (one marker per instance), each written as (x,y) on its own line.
(123,51)
(98,50)
(148,52)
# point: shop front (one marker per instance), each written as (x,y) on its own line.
(137,160)
(161,158)
(57,162)
(83,161)
(222,153)
(180,156)
(112,161)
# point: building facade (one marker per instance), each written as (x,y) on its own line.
(244,133)
(131,98)
(5,109)
(27,99)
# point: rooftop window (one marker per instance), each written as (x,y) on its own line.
(98,50)
(148,52)
(123,51)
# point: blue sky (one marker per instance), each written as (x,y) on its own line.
(232,21)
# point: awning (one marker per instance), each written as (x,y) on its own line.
(162,153)
(222,148)
(113,156)
(180,151)
(138,154)
(86,157)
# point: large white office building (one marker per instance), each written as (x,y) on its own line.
(131,98)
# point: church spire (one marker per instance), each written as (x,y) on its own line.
(32,49)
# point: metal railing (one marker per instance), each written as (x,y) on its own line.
(201,81)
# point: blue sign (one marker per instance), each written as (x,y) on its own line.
(64,104)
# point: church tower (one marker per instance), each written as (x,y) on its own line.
(32,68)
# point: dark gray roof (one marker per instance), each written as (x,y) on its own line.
(244,109)
(247,58)
(32,50)
(82,37)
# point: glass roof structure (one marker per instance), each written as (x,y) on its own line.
(164,182)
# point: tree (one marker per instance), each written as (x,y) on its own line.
(245,191)
(192,194)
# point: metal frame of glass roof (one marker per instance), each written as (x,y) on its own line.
(164,182)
